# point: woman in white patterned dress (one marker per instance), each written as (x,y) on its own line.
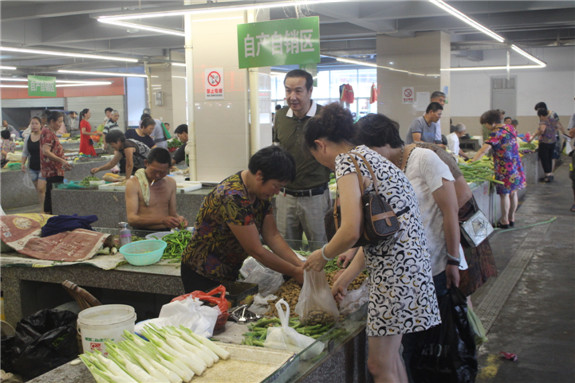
(401,292)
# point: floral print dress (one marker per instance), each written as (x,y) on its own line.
(401,292)
(506,161)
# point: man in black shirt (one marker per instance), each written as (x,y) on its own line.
(182,134)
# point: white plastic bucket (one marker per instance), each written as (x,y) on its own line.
(101,323)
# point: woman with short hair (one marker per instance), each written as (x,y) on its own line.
(506,164)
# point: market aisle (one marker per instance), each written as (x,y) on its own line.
(530,306)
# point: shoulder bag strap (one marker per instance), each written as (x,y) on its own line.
(406,153)
(358,169)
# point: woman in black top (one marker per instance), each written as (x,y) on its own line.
(31,152)
(143,133)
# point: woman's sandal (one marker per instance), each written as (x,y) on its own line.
(511,223)
(502,226)
(573,208)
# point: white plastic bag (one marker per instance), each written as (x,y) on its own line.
(189,312)
(27,181)
(354,299)
(268,280)
(286,338)
(316,305)
(260,304)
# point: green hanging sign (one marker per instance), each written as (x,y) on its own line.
(279,42)
(42,86)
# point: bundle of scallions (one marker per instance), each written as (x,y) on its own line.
(172,355)
(478,171)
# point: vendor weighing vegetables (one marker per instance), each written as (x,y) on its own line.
(232,218)
(151,196)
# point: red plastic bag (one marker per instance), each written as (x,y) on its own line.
(212,298)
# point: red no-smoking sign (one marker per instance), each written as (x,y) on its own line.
(214,83)
(407,95)
(214,78)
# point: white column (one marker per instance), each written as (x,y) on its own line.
(191,145)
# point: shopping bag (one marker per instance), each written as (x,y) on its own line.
(354,299)
(476,327)
(27,181)
(287,338)
(316,305)
(447,352)
(42,342)
(268,280)
(215,297)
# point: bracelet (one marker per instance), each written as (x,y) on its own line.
(449,256)
(452,262)
(323,253)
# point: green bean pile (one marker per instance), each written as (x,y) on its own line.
(177,242)
(257,333)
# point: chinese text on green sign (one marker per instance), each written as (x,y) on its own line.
(42,86)
(280,42)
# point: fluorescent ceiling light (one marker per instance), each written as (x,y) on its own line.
(448,8)
(217,8)
(150,28)
(97,73)
(528,56)
(372,65)
(179,64)
(469,21)
(68,54)
(500,67)
(101,83)
(3,67)
(86,82)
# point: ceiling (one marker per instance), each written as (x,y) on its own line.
(347,29)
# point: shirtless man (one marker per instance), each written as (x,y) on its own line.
(151,196)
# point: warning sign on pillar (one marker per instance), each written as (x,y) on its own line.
(214,83)
(408,95)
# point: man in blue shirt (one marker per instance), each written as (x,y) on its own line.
(423,129)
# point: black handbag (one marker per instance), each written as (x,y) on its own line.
(379,222)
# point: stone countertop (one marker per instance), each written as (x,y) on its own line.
(344,356)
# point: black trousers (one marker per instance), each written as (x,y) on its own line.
(193,281)
(546,156)
(50,181)
(411,340)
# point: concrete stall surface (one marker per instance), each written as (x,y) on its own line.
(529,308)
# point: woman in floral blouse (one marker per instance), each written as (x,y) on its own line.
(506,164)
(52,161)
(231,220)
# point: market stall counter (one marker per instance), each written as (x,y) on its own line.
(30,285)
(15,194)
(343,359)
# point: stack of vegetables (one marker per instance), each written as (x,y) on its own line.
(527,147)
(172,355)
(478,171)
(257,333)
(290,292)
(177,242)
(86,181)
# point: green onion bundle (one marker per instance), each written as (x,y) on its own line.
(172,355)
